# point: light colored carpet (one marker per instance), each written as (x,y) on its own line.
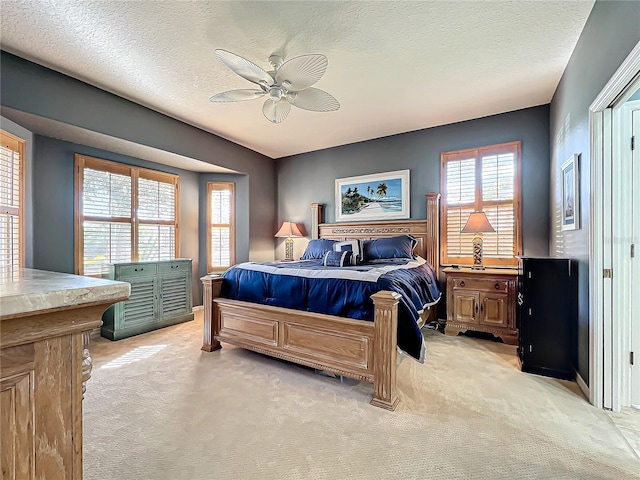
(177,413)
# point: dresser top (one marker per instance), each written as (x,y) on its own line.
(36,290)
(487,271)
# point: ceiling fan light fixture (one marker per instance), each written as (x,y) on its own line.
(288,84)
(275,93)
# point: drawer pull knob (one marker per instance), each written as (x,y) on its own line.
(497,286)
(462,283)
(136,270)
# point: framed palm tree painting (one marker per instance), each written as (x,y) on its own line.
(380,196)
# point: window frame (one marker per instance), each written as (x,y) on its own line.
(232,225)
(477,153)
(85,161)
(19,145)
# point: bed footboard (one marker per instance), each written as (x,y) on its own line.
(357,349)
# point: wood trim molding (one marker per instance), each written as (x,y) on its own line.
(477,153)
(19,145)
(232,224)
(83,161)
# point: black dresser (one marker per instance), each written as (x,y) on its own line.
(546,316)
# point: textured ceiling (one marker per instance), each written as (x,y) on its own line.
(393,66)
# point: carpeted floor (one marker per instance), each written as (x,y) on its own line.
(159,408)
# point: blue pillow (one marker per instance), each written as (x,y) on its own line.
(317,248)
(390,247)
(337,259)
(354,246)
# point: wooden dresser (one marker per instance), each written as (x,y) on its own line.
(482,301)
(45,319)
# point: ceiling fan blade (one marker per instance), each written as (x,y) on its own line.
(276,111)
(302,72)
(236,95)
(313,99)
(243,67)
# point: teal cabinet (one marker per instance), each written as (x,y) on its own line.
(160,296)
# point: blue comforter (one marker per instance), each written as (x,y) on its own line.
(344,291)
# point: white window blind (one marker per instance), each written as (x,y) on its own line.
(483,179)
(220,215)
(11,204)
(123,214)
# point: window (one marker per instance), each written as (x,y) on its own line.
(12,235)
(220,226)
(482,179)
(123,214)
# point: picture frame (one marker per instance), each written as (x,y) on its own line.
(571,193)
(379,196)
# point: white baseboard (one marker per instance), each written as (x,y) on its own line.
(198,308)
(583,386)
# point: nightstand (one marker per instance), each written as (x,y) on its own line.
(482,301)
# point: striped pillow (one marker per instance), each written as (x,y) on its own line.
(337,259)
(354,246)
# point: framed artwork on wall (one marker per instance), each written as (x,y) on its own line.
(380,196)
(571,193)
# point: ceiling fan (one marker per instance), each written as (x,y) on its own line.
(289,83)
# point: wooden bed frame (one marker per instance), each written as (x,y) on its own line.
(354,348)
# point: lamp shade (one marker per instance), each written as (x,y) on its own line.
(289,229)
(477,223)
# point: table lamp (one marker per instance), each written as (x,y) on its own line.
(477,223)
(288,230)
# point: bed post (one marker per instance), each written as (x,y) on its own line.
(316,220)
(385,352)
(212,284)
(433,228)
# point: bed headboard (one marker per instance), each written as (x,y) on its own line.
(426,231)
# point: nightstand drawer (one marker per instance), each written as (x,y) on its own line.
(480,284)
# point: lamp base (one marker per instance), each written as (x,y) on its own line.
(477,252)
(288,250)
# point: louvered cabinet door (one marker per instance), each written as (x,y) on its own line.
(173,296)
(174,289)
(141,306)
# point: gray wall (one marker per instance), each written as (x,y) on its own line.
(30,88)
(611,32)
(307,178)
(53,203)
(27,136)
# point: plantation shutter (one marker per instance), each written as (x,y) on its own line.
(498,193)
(483,179)
(157,216)
(123,214)
(221,251)
(461,195)
(11,204)
(106,199)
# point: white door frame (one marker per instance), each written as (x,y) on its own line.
(621,234)
(634,371)
(604,385)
